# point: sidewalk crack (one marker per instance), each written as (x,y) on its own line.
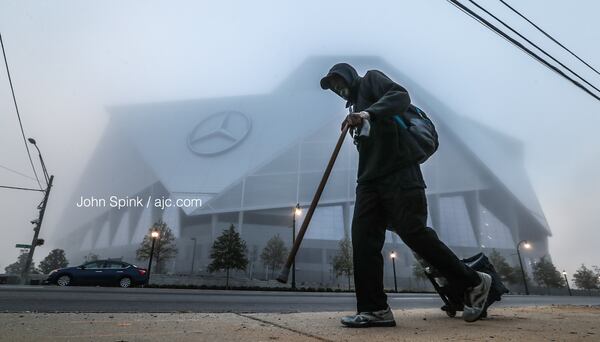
(285,328)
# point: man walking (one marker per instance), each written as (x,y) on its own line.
(390,193)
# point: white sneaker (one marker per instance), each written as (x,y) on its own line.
(476,298)
(381,318)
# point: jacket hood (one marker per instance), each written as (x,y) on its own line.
(348,73)
(345,70)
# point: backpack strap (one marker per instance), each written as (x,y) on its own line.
(400,122)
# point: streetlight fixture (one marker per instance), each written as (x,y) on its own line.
(393,256)
(567,281)
(297,212)
(527,245)
(154,235)
(33,142)
(193,255)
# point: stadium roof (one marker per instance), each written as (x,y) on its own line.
(174,142)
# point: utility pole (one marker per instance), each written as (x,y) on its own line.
(36,232)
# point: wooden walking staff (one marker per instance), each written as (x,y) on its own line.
(283,276)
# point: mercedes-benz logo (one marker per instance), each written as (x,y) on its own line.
(218,133)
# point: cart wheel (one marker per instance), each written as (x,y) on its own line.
(451,313)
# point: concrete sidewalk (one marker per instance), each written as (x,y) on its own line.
(549,323)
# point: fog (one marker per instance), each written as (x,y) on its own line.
(71,60)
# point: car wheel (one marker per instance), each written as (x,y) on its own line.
(63,280)
(125,282)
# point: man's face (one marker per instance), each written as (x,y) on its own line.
(340,87)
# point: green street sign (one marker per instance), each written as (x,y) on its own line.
(20,245)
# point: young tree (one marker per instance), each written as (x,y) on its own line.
(274,253)
(164,247)
(229,253)
(545,274)
(597,271)
(16,267)
(252,260)
(342,261)
(507,273)
(55,259)
(585,278)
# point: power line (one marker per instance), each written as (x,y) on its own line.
(19,188)
(548,35)
(17,172)
(521,46)
(18,114)
(530,42)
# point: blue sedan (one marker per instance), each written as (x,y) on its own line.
(99,272)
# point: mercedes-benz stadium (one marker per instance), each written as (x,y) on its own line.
(251,158)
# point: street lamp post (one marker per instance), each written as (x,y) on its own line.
(193,255)
(567,281)
(154,235)
(393,256)
(297,212)
(527,246)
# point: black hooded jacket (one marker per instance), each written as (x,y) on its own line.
(382,152)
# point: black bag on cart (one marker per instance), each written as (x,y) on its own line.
(452,296)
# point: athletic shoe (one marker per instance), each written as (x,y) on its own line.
(476,298)
(381,318)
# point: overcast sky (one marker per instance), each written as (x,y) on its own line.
(71,59)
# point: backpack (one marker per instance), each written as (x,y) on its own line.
(422,138)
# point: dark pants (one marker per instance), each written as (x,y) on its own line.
(387,204)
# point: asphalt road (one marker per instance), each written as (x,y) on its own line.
(113,300)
